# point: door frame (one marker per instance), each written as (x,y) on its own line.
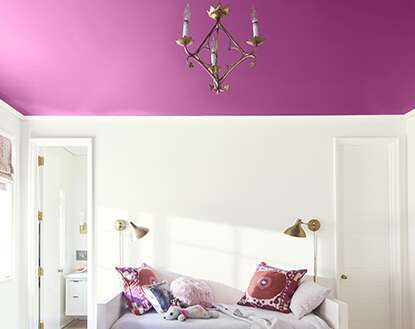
(397,225)
(32,227)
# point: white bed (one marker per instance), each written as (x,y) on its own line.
(111,315)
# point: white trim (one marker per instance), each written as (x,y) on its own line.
(410,114)
(395,235)
(10,109)
(172,117)
(406,280)
(63,141)
(397,276)
(32,238)
(8,135)
(34,143)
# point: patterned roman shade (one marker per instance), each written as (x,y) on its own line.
(6,167)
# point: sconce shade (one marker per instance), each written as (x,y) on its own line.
(296,230)
(139,231)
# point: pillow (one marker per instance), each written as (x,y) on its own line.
(133,279)
(192,292)
(272,288)
(307,298)
(159,296)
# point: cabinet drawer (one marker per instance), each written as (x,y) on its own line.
(77,287)
(76,297)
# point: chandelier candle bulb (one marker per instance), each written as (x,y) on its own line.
(213,56)
(186,16)
(255,26)
(185,28)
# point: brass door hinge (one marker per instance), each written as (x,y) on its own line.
(41,325)
(40,216)
(40,271)
(40,161)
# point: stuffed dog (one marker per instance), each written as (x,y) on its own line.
(191,312)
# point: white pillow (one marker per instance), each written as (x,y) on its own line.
(307,298)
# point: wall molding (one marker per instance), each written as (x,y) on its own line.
(11,110)
(194,117)
(397,239)
(410,114)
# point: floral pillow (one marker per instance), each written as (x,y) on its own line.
(159,296)
(272,288)
(133,280)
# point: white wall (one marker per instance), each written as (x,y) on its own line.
(215,190)
(12,310)
(65,186)
(410,126)
(79,205)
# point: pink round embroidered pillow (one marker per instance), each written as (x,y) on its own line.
(192,292)
(272,288)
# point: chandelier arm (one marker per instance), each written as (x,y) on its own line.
(196,53)
(207,38)
(232,39)
(244,57)
(197,59)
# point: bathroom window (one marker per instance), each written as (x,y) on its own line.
(6,230)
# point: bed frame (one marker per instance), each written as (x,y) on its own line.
(333,311)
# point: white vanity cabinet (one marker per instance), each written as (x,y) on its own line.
(76,294)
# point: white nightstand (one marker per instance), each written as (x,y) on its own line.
(76,294)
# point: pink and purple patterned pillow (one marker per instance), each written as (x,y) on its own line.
(272,288)
(133,280)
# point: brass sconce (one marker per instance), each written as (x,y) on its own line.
(297,231)
(121,225)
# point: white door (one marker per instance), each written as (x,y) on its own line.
(53,238)
(366,197)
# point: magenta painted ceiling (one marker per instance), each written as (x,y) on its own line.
(119,57)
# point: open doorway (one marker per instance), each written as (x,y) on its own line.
(62,202)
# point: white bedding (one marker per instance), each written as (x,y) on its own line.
(152,320)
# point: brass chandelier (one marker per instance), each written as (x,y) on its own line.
(211,43)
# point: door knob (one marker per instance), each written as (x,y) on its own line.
(343,277)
